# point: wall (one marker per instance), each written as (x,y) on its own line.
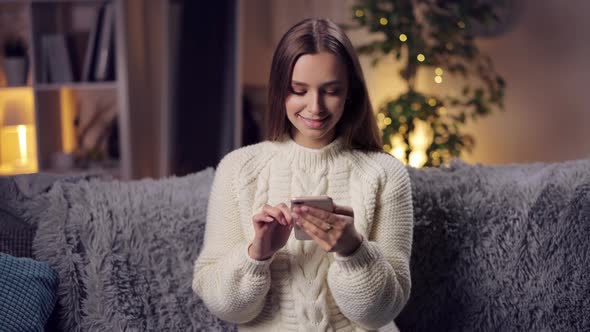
(546,62)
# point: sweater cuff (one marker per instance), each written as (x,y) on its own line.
(253,266)
(366,254)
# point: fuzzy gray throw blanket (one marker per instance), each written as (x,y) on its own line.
(124,252)
(496,248)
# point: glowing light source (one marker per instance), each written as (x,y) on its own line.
(22,142)
(438,71)
(359,13)
(421,57)
(438,79)
(432,102)
(420,139)
(399,147)
(417,158)
(68,109)
(18,150)
(387,121)
(380,121)
(461,24)
(403,37)
(383,21)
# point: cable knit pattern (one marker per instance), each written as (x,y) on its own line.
(301,287)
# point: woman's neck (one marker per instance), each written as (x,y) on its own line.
(311,143)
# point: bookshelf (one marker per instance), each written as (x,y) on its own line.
(71,113)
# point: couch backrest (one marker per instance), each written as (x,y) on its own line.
(500,248)
(495,247)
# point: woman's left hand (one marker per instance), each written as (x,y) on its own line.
(332,231)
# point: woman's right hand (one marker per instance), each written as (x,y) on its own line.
(272,227)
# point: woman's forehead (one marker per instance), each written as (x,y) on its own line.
(319,69)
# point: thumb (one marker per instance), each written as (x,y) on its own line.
(343,210)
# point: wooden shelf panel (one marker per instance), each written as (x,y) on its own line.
(77,86)
(8,88)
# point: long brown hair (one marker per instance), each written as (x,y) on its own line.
(311,36)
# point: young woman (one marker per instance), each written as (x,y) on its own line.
(353,275)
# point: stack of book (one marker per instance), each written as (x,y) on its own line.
(81,56)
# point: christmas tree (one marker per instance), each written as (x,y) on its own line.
(438,36)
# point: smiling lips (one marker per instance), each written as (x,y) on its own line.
(313,123)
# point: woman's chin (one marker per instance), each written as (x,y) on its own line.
(314,135)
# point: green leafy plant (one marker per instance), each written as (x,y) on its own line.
(436,35)
(15,47)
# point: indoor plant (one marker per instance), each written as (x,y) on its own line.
(15,61)
(439,36)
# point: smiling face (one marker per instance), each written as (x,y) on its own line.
(316,100)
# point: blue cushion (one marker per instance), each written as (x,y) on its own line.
(27,293)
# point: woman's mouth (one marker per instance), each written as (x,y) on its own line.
(314,123)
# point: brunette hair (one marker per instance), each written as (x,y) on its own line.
(311,36)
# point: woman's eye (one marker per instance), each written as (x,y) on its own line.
(332,92)
(298,92)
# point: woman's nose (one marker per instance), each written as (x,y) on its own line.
(315,103)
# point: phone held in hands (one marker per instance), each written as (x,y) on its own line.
(320,202)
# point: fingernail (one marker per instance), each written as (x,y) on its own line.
(304,208)
(269,218)
(283,220)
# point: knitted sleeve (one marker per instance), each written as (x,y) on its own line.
(231,284)
(372,285)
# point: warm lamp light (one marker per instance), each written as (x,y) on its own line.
(418,158)
(17,135)
(398,147)
(420,139)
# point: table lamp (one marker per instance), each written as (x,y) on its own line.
(18,148)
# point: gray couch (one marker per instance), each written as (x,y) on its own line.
(496,248)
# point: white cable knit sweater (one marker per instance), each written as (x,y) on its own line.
(301,287)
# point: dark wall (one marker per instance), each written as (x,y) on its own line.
(203,121)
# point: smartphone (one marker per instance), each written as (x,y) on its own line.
(320,202)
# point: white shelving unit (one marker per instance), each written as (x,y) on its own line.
(58,105)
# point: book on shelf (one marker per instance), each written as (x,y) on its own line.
(81,56)
(57,58)
(90,56)
(105,44)
(77,42)
(99,58)
(63,57)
